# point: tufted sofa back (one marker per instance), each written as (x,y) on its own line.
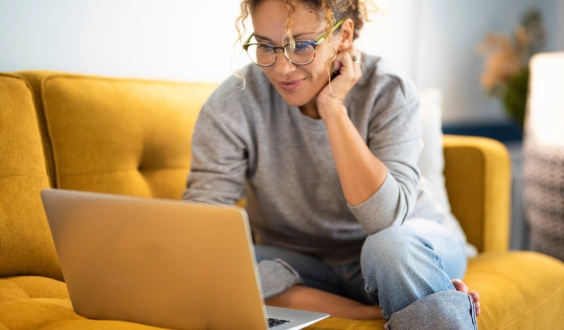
(120,136)
(26,246)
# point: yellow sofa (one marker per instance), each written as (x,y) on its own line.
(132,137)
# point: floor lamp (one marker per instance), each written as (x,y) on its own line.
(543,155)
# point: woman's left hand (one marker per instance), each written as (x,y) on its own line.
(361,173)
(332,96)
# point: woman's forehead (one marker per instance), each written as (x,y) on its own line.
(270,19)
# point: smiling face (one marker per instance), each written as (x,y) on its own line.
(298,85)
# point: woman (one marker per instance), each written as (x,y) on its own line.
(323,141)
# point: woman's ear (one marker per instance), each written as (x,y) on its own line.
(347,34)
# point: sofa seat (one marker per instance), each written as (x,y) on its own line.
(512,297)
(24,287)
(53,313)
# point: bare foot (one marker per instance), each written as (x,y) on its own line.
(306,298)
(462,287)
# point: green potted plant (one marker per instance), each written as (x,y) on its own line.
(506,66)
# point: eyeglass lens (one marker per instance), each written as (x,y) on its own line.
(262,54)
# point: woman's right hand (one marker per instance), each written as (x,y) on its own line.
(332,96)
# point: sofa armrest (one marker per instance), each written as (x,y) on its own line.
(478,182)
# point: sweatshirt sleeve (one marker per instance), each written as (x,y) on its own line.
(394,136)
(219,162)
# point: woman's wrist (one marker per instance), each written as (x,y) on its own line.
(331,111)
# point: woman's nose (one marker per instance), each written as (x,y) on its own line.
(282,64)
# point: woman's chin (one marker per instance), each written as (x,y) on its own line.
(295,100)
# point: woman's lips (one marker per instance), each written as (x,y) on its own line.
(291,85)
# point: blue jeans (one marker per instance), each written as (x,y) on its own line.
(398,266)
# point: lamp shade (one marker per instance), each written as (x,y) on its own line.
(546,99)
(543,154)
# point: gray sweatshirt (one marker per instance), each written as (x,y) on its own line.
(249,143)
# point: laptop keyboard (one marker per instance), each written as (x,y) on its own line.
(272,322)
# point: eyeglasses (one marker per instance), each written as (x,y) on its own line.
(301,53)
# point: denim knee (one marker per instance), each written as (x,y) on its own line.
(395,251)
(393,246)
(400,267)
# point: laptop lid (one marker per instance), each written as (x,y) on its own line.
(157,262)
(160,262)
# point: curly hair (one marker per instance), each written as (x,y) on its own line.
(334,11)
(331,11)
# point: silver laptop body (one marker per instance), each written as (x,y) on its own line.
(158,262)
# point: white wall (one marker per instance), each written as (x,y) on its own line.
(172,39)
(432,40)
(390,33)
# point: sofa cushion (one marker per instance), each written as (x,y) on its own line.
(26,246)
(45,313)
(513,296)
(518,289)
(25,287)
(121,136)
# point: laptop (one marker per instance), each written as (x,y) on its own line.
(163,263)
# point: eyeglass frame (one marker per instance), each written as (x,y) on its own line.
(275,48)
